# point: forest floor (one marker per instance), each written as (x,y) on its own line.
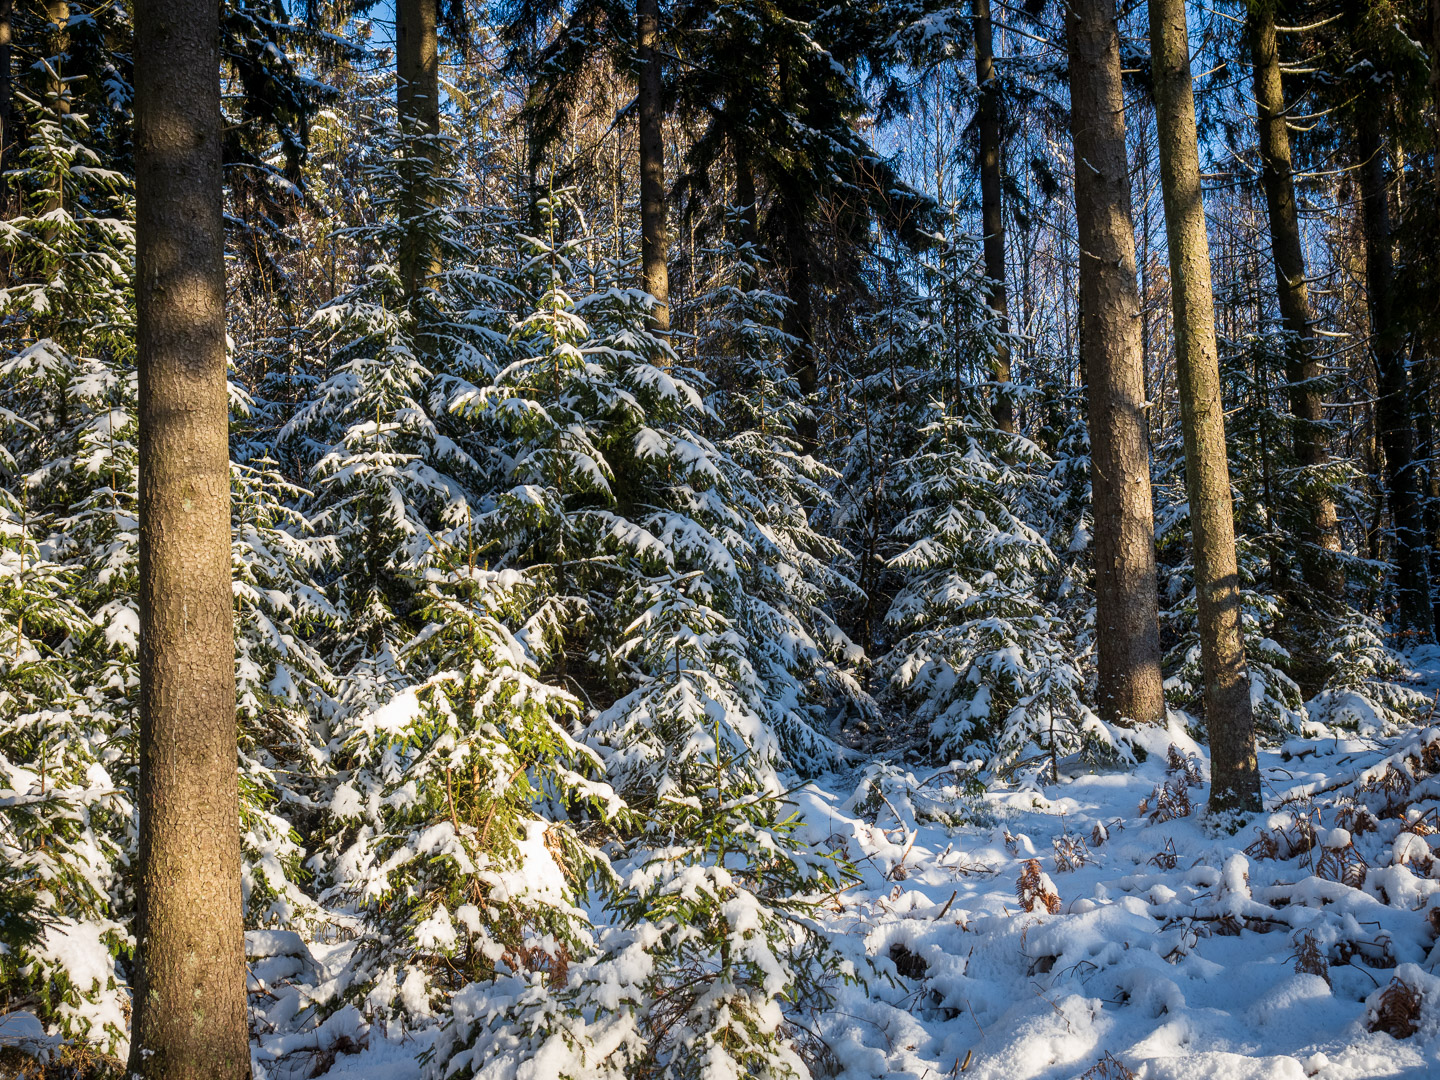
(1158,947)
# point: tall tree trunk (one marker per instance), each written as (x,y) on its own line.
(7,109)
(1429,476)
(190,1019)
(1435,89)
(417,100)
(1414,617)
(650,105)
(1320,529)
(1126,603)
(1234,769)
(992,207)
(799,322)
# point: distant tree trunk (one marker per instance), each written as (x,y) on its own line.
(7,110)
(1126,603)
(190,1017)
(417,101)
(992,207)
(1414,616)
(1429,475)
(1435,88)
(650,105)
(57,43)
(799,322)
(1319,526)
(746,198)
(1235,773)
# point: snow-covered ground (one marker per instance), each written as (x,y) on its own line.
(1174,951)
(1093,927)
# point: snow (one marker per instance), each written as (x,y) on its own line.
(1175,952)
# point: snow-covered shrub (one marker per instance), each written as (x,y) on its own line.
(69,540)
(979,654)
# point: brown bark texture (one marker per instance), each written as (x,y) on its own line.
(1423,390)
(1234,769)
(650,107)
(799,323)
(1414,617)
(417,100)
(7,122)
(992,207)
(1320,528)
(1126,602)
(189,1006)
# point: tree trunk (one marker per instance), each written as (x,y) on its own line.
(1435,89)
(57,43)
(1127,619)
(190,1018)
(992,209)
(1414,618)
(7,122)
(1235,773)
(417,100)
(650,105)
(799,323)
(1319,527)
(1429,477)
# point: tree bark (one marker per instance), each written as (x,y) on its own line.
(1414,617)
(650,105)
(799,323)
(7,122)
(1435,89)
(1429,477)
(1126,602)
(1319,526)
(57,43)
(992,208)
(1234,769)
(190,1019)
(417,100)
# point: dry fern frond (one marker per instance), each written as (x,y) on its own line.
(1422,823)
(1283,843)
(1397,1012)
(1182,766)
(1071,852)
(1109,1067)
(1343,864)
(1310,959)
(1165,858)
(1035,890)
(1171,799)
(1392,783)
(1355,818)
